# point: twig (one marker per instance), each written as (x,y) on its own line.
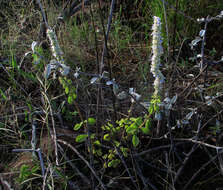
(196,173)
(105,52)
(41,161)
(194,147)
(43,13)
(211,119)
(157,149)
(125,165)
(53,132)
(85,179)
(5,184)
(84,160)
(145,181)
(175,27)
(33,140)
(74,8)
(89,146)
(203,43)
(178,11)
(167,32)
(105,48)
(199,142)
(196,78)
(45,177)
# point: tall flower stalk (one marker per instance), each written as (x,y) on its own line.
(157,51)
(57,53)
(55,47)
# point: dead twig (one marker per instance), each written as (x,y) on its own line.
(84,160)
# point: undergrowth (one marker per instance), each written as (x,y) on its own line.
(107,95)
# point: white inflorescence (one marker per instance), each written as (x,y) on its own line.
(57,54)
(56,50)
(157,51)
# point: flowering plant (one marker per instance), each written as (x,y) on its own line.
(157,52)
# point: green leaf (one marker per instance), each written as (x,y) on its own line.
(107,137)
(105,156)
(74,96)
(70,99)
(81,138)
(111,156)
(99,152)
(146,129)
(91,121)
(78,126)
(135,140)
(131,129)
(124,151)
(114,163)
(97,142)
(117,143)
(3,94)
(92,136)
(67,90)
(138,121)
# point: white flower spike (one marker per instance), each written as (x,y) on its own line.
(157,51)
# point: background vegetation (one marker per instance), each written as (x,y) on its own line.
(81,125)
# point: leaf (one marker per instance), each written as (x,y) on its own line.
(3,94)
(202,33)
(65,70)
(91,121)
(110,82)
(135,140)
(70,99)
(174,99)
(66,90)
(189,115)
(81,138)
(94,80)
(121,96)
(74,95)
(92,136)
(34,43)
(131,129)
(99,152)
(138,121)
(78,126)
(114,163)
(124,151)
(146,129)
(117,143)
(97,142)
(106,137)
(195,41)
(158,116)
(47,71)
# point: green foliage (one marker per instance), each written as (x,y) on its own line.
(26,172)
(154,107)
(135,140)
(121,35)
(69,89)
(89,121)
(81,138)
(3,94)
(131,128)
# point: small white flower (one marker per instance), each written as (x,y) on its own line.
(57,52)
(157,51)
